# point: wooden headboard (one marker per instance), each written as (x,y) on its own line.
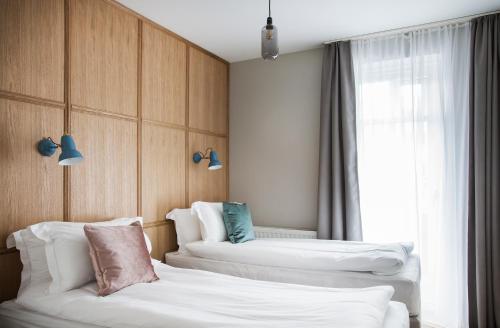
(139,101)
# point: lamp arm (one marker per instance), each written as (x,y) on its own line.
(207,151)
(55,143)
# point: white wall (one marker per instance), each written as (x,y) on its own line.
(274,133)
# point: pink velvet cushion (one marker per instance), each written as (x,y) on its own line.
(120,256)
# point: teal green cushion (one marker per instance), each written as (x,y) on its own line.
(238,222)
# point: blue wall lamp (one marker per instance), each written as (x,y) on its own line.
(69,154)
(213,164)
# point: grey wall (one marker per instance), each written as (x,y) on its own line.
(274,133)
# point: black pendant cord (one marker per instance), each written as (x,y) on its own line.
(269,8)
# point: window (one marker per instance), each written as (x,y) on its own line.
(411,99)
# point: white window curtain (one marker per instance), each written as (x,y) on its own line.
(412,126)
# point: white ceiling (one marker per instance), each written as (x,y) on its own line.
(231,28)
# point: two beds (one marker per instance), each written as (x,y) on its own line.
(58,289)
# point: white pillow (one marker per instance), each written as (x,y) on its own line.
(187,226)
(35,276)
(67,252)
(211,222)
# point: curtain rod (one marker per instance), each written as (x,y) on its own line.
(413,27)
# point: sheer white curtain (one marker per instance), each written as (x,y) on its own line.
(412,125)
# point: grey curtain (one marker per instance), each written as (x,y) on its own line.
(484,175)
(338,197)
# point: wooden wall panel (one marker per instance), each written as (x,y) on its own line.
(153,236)
(104,185)
(103,57)
(32,48)
(163,239)
(164,76)
(167,239)
(32,186)
(205,184)
(208,93)
(163,171)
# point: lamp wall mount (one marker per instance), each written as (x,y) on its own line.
(47,147)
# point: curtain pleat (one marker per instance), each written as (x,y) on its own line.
(484,174)
(338,198)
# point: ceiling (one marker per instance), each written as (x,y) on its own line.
(231,28)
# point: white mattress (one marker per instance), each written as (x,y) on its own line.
(13,315)
(312,254)
(406,283)
(192,298)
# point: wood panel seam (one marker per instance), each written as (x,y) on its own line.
(186,138)
(182,127)
(207,132)
(157,223)
(81,109)
(67,110)
(165,124)
(139,119)
(31,99)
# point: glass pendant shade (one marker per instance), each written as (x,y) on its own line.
(269,35)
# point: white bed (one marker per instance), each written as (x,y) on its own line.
(13,315)
(260,259)
(192,298)
(312,254)
(406,283)
(294,256)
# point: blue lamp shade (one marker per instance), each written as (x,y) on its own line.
(214,163)
(69,154)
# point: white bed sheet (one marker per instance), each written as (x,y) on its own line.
(13,315)
(406,283)
(192,298)
(311,254)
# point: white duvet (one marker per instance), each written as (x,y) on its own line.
(189,298)
(310,254)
